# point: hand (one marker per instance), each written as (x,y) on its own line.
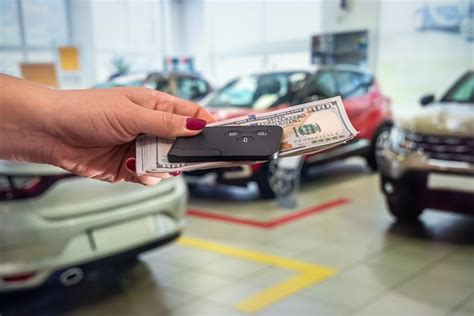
(92,133)
(96,133)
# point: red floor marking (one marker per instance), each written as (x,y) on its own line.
(271,223)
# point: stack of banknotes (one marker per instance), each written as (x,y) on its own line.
(307,129)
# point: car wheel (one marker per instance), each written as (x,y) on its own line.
(379,142)
(403,211)
(402,199)
(276,181)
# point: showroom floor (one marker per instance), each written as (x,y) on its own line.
(337,253)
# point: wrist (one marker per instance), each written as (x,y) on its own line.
(25,121)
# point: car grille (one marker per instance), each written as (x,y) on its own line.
(445,148)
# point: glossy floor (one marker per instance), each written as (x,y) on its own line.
(380,267)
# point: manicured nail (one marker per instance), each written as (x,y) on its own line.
(195,124)
(130,163)
(175,174)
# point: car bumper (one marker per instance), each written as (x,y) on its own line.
(78,241)
(395,165)
(425,176)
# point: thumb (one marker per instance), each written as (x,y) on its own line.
(165,124)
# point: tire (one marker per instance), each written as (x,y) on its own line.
(379,142)
(403,211)
(273,181)
(402,199)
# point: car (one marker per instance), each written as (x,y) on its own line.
(186,85)
(367,107)
(55,226)
(428,161)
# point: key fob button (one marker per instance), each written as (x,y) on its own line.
(233,133)
(262,133)
(246,139)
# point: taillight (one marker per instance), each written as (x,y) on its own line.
(24,187)
(256,167)
(18,277)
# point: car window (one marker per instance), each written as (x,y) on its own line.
(322,85)
(191,88)
(463,91)
(257,91)
(352,84)
(164,85)
(202,86)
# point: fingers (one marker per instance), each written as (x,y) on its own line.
(151,179)
(161,101)
(164,124)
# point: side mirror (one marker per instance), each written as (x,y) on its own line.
(427,99)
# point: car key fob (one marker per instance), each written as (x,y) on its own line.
(228,143)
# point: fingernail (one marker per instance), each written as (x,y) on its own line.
(130,163)
(195,124)
(175,174)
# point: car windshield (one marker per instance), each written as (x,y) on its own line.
(160,84)
(462,91)
(132,80)
(258,92)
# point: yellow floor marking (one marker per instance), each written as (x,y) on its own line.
(307,275)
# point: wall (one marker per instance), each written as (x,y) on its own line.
(412,63)
(253,36)
(130,29)
(359,15)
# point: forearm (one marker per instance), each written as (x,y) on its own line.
(25,115)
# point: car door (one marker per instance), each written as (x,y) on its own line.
(354,87)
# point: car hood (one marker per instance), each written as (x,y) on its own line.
(445,119)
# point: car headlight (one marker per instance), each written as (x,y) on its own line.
(401,141)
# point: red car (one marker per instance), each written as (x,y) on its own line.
(367,107)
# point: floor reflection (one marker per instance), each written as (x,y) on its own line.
(103,284)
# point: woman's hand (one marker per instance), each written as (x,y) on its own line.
(90,132)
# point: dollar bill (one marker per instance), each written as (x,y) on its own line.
(307,129)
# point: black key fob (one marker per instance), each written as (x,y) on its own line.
(228,143)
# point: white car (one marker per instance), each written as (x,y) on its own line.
(53,225)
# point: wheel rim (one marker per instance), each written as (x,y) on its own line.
(281,181)
(381,143)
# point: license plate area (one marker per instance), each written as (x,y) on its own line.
(462,183)
(124,235)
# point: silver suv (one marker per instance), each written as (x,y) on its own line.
(428,161)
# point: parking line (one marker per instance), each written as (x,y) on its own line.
(271,223)
(308,274)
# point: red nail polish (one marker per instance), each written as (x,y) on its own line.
(195,124)
(175,174)
(131,164)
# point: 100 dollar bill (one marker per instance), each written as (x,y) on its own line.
(307,128)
